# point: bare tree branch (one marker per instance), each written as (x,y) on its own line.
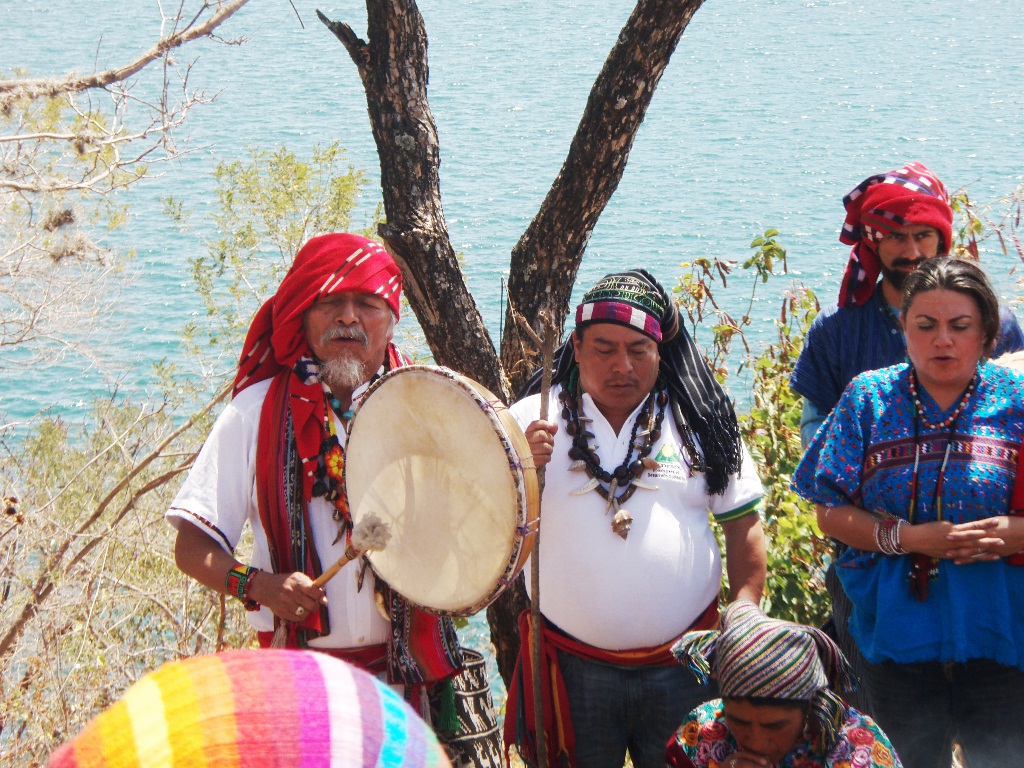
(393,68)
(547,257)
(49,87)
(57,564)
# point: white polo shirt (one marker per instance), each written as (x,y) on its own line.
(648,589)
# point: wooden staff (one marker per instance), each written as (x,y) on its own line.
(547,347)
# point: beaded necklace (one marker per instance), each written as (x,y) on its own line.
(626,476)
(924,569)
(330,471)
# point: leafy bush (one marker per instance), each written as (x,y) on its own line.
(797,552)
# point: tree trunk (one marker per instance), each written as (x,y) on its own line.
(393,68)
(548,255)
(544,263)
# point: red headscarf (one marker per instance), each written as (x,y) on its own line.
(881,204)
(327,264)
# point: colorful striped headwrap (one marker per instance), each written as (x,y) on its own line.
(882,204)
(629,299)
(250,709)
(755,656)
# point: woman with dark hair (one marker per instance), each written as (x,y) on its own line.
(914,471)
(780,704)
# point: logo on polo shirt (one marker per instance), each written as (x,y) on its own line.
(670,464)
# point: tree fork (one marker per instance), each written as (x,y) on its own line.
(547,257)
(545,261)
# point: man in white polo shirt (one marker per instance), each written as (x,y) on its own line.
(644,445)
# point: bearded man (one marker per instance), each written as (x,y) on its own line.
(274,459)
(895,221)
(644,446)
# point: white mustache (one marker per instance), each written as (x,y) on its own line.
(345,333)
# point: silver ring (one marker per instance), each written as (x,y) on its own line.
(299,611)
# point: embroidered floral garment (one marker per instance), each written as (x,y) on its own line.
(705,741)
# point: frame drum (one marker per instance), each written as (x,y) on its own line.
(439,459)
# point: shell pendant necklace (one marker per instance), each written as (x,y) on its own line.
(626,478)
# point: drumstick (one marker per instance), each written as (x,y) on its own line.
(370,534)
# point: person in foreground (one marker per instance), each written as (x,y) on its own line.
(643,444)
(255,709)
(780,707)
(914,472)
(274,459)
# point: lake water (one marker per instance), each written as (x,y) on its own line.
(768,114)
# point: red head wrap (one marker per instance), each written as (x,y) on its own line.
(327,264)
(882,204)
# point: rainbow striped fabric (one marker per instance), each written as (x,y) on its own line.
(242,709)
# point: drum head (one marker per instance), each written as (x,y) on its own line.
(429,456)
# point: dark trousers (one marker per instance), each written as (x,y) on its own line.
(616,708)
(924,707)
(841,610)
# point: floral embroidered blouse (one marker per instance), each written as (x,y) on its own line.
(705,741)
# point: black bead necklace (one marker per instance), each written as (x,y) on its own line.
(626,476)
(925,569)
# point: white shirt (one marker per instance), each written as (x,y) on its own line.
(219,496)
(650,588)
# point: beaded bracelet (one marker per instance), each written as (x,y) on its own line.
(239,581)
(887,536)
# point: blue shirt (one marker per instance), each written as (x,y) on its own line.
(845,342)
(864,455)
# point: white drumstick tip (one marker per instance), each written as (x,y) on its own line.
(371,534)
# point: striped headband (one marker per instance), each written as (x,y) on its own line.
(250,709)
(755,656)
(627,298)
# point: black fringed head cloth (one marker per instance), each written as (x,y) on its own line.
(699,404)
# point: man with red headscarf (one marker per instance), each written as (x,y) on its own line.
(894,221)
(275,458)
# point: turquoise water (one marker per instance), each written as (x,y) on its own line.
(767,115)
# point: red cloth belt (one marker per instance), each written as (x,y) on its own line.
(372,658)
(559,739)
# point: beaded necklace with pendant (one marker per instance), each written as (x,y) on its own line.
(627,476)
